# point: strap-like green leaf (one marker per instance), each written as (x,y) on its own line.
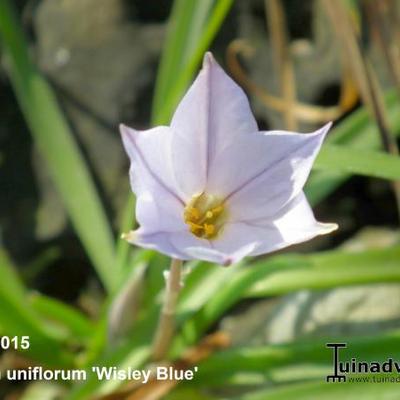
(58,147)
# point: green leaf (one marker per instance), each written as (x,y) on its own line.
(222,297)
(324,391)
(188,392)
(77,325)
(268,359)
(132,352)
(59,148)
(356,131)
(155,281)
(18,318)
(193,24)
(360,162)
(10,283)
(287,273)
(284,274)
(43,391)
(202,284)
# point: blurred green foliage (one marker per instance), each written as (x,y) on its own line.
(64,337)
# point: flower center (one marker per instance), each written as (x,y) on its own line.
(205,214)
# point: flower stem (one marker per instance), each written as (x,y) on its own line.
(166,323)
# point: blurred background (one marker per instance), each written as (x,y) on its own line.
(72,70)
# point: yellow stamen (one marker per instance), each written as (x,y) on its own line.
(194,226)
(209,229)
(205,215)
(209,214)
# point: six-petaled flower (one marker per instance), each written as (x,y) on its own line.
(211,186)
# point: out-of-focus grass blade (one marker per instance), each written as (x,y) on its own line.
(325,270)
(10,283)
(155,281)
(220,366)
(58,147)
(125,307)
(204,280)
(287,273)
(322,183)
(175,51)
(222,299)
(133,352)
(360,162)
(319,390)
(99,344)
(18,318)
(201,285)
(77,325)
(43,391)
(188,392)
(355,131)
(358,129)
(193,24)
(124,357)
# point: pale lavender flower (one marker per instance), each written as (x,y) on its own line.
(211,186)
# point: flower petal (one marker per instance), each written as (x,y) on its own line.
(211,115)
(160,241)
(154,215)
(261,172)
(158,205)
(213,255)
(185,246)
(174,244)
(294,224)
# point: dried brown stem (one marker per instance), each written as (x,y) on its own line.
(383,21)
(364,74)
(283,62)
(303,112)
